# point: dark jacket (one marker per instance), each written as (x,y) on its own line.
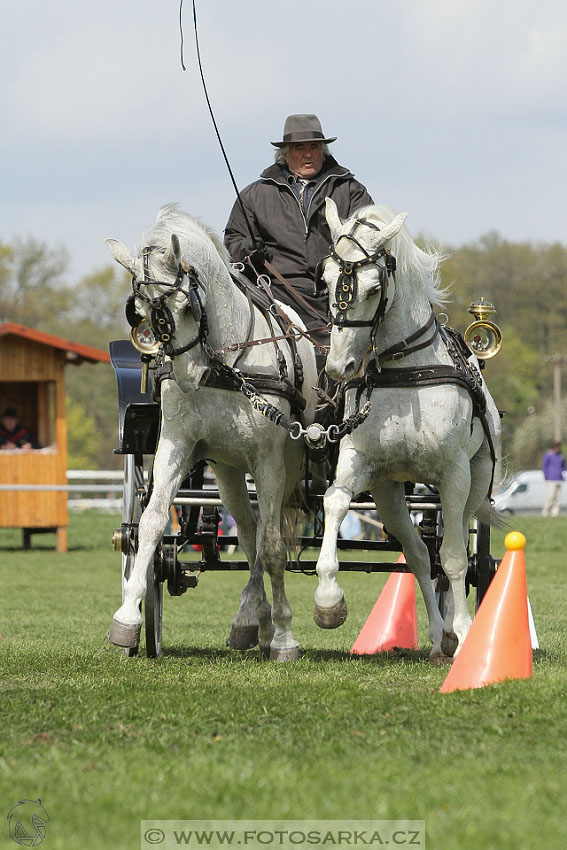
(294,242)
(18,437)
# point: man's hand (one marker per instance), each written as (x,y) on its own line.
(257,253)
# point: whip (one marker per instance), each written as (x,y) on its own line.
(242,207)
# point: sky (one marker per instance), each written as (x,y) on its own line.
(453,111)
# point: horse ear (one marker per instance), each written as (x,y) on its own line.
(122,255)
(390,230)
(173,253)
(333,218)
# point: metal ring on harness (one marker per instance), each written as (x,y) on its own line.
(333,434)
(297,431)
(262,281)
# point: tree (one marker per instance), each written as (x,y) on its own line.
(32,291)
(533,436)
(83,441)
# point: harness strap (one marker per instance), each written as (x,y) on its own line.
(225,377)
(315,313)
(396,352)
(238,346)
(462,373)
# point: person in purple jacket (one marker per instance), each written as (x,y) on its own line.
(553,466)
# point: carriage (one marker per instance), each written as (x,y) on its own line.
(199,500)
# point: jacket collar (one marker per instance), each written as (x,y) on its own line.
(331,168)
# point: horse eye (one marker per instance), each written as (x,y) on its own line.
(373,291)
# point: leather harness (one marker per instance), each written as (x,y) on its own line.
(219,374)
(463,373)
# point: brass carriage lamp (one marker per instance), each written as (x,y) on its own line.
(482,336)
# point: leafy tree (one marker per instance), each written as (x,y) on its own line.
(83,442)
(32,291)
(534,435)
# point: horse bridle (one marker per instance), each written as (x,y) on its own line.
(161,318)
(346,291)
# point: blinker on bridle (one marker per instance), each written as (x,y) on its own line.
(161,321)
(346,292)
(346,289)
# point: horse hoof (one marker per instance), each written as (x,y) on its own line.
(331,618)
(265,650)
(291,654)
(449,643)
(243,637)
(123,635)
(439,659)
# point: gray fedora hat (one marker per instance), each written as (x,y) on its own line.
(302,128)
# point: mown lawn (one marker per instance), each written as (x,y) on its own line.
(205,732)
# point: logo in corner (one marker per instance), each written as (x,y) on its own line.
(26,822)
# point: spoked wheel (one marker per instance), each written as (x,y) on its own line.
(153,612)
(131,512)
(485,563)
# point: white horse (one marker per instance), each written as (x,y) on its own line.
(185,290)
(416,430)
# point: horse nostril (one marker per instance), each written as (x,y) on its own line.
(350,369)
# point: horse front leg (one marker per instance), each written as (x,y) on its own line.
(127,621)
(330,609)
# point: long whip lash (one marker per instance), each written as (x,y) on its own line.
(242,207)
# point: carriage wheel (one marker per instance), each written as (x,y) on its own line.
(131,512)
(485,563)
(153,612)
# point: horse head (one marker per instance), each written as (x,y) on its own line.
(167,306)
(359,274)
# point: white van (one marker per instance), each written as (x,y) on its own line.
(526,493)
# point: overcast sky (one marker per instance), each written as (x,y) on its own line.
(451,110)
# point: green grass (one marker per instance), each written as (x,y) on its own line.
(205,732)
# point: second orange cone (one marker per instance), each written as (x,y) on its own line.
(393,620)
(498,645)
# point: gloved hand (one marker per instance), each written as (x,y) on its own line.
(257,253)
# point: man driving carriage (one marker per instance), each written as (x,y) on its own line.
(285,209)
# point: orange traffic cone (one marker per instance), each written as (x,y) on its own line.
(498,645)
(393,620)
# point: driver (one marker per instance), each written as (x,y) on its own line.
(286,212)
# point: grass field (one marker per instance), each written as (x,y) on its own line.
(205,732)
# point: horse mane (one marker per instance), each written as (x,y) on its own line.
(171,219)
(412,261)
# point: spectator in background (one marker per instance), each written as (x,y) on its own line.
(14,435)
(553,466)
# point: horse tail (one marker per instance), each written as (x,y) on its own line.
(291,530)
(490,516)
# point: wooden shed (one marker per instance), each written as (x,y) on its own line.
(32,379)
